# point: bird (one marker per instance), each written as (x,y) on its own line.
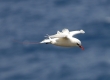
(65,38)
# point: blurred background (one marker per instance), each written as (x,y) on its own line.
(31,20)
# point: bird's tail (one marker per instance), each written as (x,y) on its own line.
(46,40)
(25,42)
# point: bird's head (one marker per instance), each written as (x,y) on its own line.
(78,43)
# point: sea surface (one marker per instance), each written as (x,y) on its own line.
(30,20)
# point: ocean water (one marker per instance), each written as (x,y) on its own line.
(31,20)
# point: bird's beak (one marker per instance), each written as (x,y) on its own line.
(81,47)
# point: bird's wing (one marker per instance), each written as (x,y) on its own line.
(65,34)
(72,33)
(59,34)
(65,31)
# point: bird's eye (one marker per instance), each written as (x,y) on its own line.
(77,44)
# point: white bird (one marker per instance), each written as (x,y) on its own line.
(64,39)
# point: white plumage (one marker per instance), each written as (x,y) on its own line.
(65,38)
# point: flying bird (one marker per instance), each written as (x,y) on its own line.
(65,38)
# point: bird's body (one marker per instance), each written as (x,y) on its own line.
(64,38)
(64,42)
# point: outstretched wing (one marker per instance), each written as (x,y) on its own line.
(65,33)
(72,33)
(59,34)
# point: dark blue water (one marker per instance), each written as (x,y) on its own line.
(30,20)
